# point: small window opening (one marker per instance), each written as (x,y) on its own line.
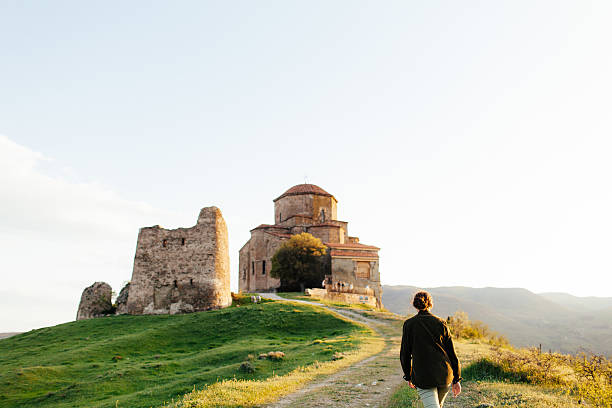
(182,241)
(322,215)
(280,217)
(263,267)
(165,243)
(191,281)
(175,284)
(253,268)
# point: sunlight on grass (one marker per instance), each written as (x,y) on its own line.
(142,361)
(249,393)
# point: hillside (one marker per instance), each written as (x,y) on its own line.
(142,361)
(586,303)
(525,318)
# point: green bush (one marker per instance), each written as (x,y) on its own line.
(246,367)
(485,369)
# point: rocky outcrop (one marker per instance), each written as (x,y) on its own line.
(96,301)
(121,301)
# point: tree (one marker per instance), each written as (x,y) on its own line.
(300,262)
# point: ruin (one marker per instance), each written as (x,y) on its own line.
(181,270)
(353,276)
(95,301)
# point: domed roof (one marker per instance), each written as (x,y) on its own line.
(304,189)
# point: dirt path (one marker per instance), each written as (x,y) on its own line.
(368,383)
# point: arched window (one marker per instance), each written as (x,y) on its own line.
(164,243)
(322,215)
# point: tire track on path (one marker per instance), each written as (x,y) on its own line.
(368,383)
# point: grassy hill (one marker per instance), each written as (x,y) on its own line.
(525,318)
(142,361)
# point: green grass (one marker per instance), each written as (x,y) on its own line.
(486,370)
(486,382)
(142,361)
(403,397)
(297,296)
(302,296)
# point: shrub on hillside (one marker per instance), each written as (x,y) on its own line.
(594,374)
(246,367)
(462,327)
(272,355)
(588,377)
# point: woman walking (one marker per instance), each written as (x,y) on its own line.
(428,355)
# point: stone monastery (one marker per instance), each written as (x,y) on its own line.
(354,275)
(187,269)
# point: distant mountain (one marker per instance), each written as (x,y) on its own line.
(559,322)
(7,335)
(587,303)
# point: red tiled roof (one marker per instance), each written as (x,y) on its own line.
(298,215)
(351,246)
(304,189)
(266,226)
(324,224)
(356,254)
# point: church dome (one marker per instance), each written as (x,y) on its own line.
(304,189)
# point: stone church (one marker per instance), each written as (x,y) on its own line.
(354,275)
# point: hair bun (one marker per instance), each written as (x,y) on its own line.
(422,300)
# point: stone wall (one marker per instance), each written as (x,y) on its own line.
(307,205)
(345,269)
(181,270)
(254,255)
(342,297)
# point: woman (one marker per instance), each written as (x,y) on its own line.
(428,356)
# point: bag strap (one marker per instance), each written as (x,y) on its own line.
(433,339)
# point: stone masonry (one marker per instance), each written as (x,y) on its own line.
(181,270)
(353,273)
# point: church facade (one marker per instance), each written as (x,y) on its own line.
(354,272)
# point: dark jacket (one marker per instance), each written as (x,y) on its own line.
(427,355)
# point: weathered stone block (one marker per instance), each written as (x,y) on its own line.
(121,301)
(95,301)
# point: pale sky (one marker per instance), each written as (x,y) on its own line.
(471,141)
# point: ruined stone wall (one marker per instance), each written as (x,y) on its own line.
(181,270)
